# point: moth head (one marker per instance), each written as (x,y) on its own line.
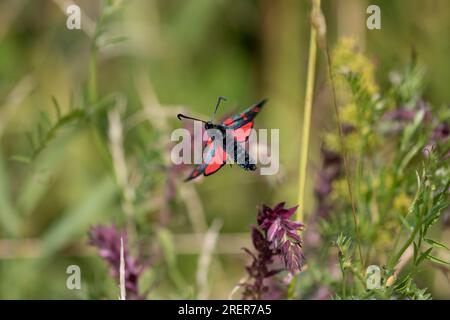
(208,125)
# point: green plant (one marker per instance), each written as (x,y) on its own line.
(401,180)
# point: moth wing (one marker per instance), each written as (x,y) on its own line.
(214,158)
(240,119)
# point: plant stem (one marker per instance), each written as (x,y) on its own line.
(309,93)
(123,292)
(405,246)
(92,81)
(319,23)
(411,238)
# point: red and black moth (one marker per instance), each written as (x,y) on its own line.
(215,154)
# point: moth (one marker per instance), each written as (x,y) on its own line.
(234,132)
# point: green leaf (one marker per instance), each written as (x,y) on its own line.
(165,240)
(19,158)
(33,189)
(9,216)
(113,40)
(402,283)
(407,225)
(437,260)
(57,108)
(416,251)
(46,119)
(30,140)
(423,256)
(167,246)
(76,220)
(436,244)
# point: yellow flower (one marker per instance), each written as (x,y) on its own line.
(402,203)
(346,56)
(331,141)
(388,182)
(386,235)
(376,183)
(349,114)
(351,140)
(340,190)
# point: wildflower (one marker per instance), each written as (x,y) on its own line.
(107,240)
(348,58)
(441,132)
(275,240)
(402,203)
(401,115)
(439,136)
(330,171)
(349,115)
(259,270)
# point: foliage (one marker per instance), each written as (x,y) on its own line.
(401,180)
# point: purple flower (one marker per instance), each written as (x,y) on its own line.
(275,241)
(441,132)
(259,269)
(436,142)
(348,128)
(331,170)
(399,117)
(274,289)
(401,114)
(107,240)
(282,233)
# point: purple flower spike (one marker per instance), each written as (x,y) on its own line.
(107,240)
(282,234)
(275,240)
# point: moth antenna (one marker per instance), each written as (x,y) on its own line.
(180,116)
(217,106)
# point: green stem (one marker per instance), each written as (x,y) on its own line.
(405,246)
(344,284)
(309,94)
(408,242)
(92,81)
(344,155)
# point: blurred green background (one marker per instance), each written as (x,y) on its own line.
(177,55)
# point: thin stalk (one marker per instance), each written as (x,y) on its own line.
(344,284)
(309,94)
(406,245)
(412,236)
(92,80)
(123,292)
(318,21)
(344,152)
